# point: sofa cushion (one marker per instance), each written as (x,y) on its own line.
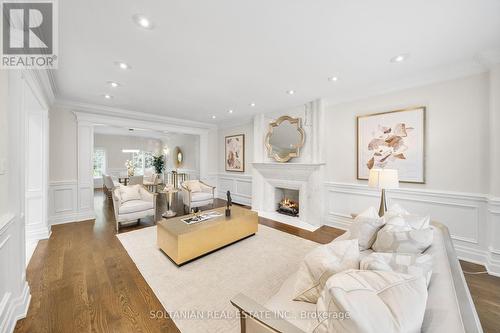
(371,301)
(397,215)
(402,240)
(133,206)
(201,196)
(406,263)
(365,228)
(320,264)
(130,192)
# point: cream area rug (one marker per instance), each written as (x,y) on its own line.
(197,295)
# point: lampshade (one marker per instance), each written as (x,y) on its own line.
(383,178)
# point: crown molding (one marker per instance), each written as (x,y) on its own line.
(42,83)
(95,111)
(430,76)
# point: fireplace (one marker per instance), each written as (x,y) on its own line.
(287,201)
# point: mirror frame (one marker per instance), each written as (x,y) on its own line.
(178,163)
(294,121)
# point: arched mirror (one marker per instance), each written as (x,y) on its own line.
(178,157)
(285,138)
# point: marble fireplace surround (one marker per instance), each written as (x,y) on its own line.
(304,177)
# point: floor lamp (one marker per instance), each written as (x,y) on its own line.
(383,179)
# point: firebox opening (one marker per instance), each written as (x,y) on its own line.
(287,201)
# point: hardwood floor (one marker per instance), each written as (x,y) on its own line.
(82,279)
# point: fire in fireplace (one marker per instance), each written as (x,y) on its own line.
(288,207)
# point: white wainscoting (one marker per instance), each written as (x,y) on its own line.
(14,294)
(467,216)
(63,203)
(240,187)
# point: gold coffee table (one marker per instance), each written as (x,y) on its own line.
(183,242)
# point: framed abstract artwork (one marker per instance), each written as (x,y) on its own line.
(235,153)
(393,140)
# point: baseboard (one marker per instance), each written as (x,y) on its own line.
(72,217)
(15,310)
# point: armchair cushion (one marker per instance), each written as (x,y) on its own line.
(133,206)
(131,192)
(201,196)
(193,185)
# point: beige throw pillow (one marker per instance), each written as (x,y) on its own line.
(371,302)
(320,264)
(406,263)
(403,239)
(128,193)
(194,186)
(365,228)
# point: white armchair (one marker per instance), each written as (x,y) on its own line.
(131,203)
(196,193)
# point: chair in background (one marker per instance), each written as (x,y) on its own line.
(109,185)
(136,180)
(131,203)
(196,193)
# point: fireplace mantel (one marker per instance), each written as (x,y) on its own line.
(291,171)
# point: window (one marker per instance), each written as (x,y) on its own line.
(99,162)
(143,160)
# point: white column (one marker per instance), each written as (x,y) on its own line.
(85,148)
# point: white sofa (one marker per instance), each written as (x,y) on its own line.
(130,206)
(449,304)
(196,193)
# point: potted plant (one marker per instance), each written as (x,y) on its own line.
(159,164)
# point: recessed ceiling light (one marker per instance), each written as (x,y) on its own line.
(122,65)
(333,79)
(142,21)
(252,104)
(400,58)
(213,117)
(113,84)
(107,96)
(229,111)
(290,92)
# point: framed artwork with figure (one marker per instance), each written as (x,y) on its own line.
(393,140)
(235,153)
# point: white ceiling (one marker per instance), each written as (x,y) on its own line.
(206,57)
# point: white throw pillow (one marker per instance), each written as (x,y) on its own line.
(320,264)
(365,228)
(371,302)
(131,192)
(403,239)
(194,186)
(406,263)
(397,215)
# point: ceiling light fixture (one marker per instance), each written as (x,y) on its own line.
(122,65)
(252,104)
(107,96)
(113,84)
(290,92)
(400,58)
(230,111)
(130,151)
(333,79)
(213,117)
(142,21)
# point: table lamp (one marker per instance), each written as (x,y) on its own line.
(383,179)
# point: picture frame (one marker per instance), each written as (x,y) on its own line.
(395,140)
(234,153)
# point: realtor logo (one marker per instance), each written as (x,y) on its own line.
(29,34)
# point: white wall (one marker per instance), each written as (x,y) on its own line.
(456,133)
(62,143)
(238,183)
(190,147)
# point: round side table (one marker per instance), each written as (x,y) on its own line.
(169,191)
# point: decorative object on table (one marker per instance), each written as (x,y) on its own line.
(229,203)
(383,179)
(394,140)
(178,157)
(200,217)
(130,167)
(284,138)
(169,190)
(159,163)
(235,153)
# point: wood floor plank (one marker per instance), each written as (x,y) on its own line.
(82,279)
